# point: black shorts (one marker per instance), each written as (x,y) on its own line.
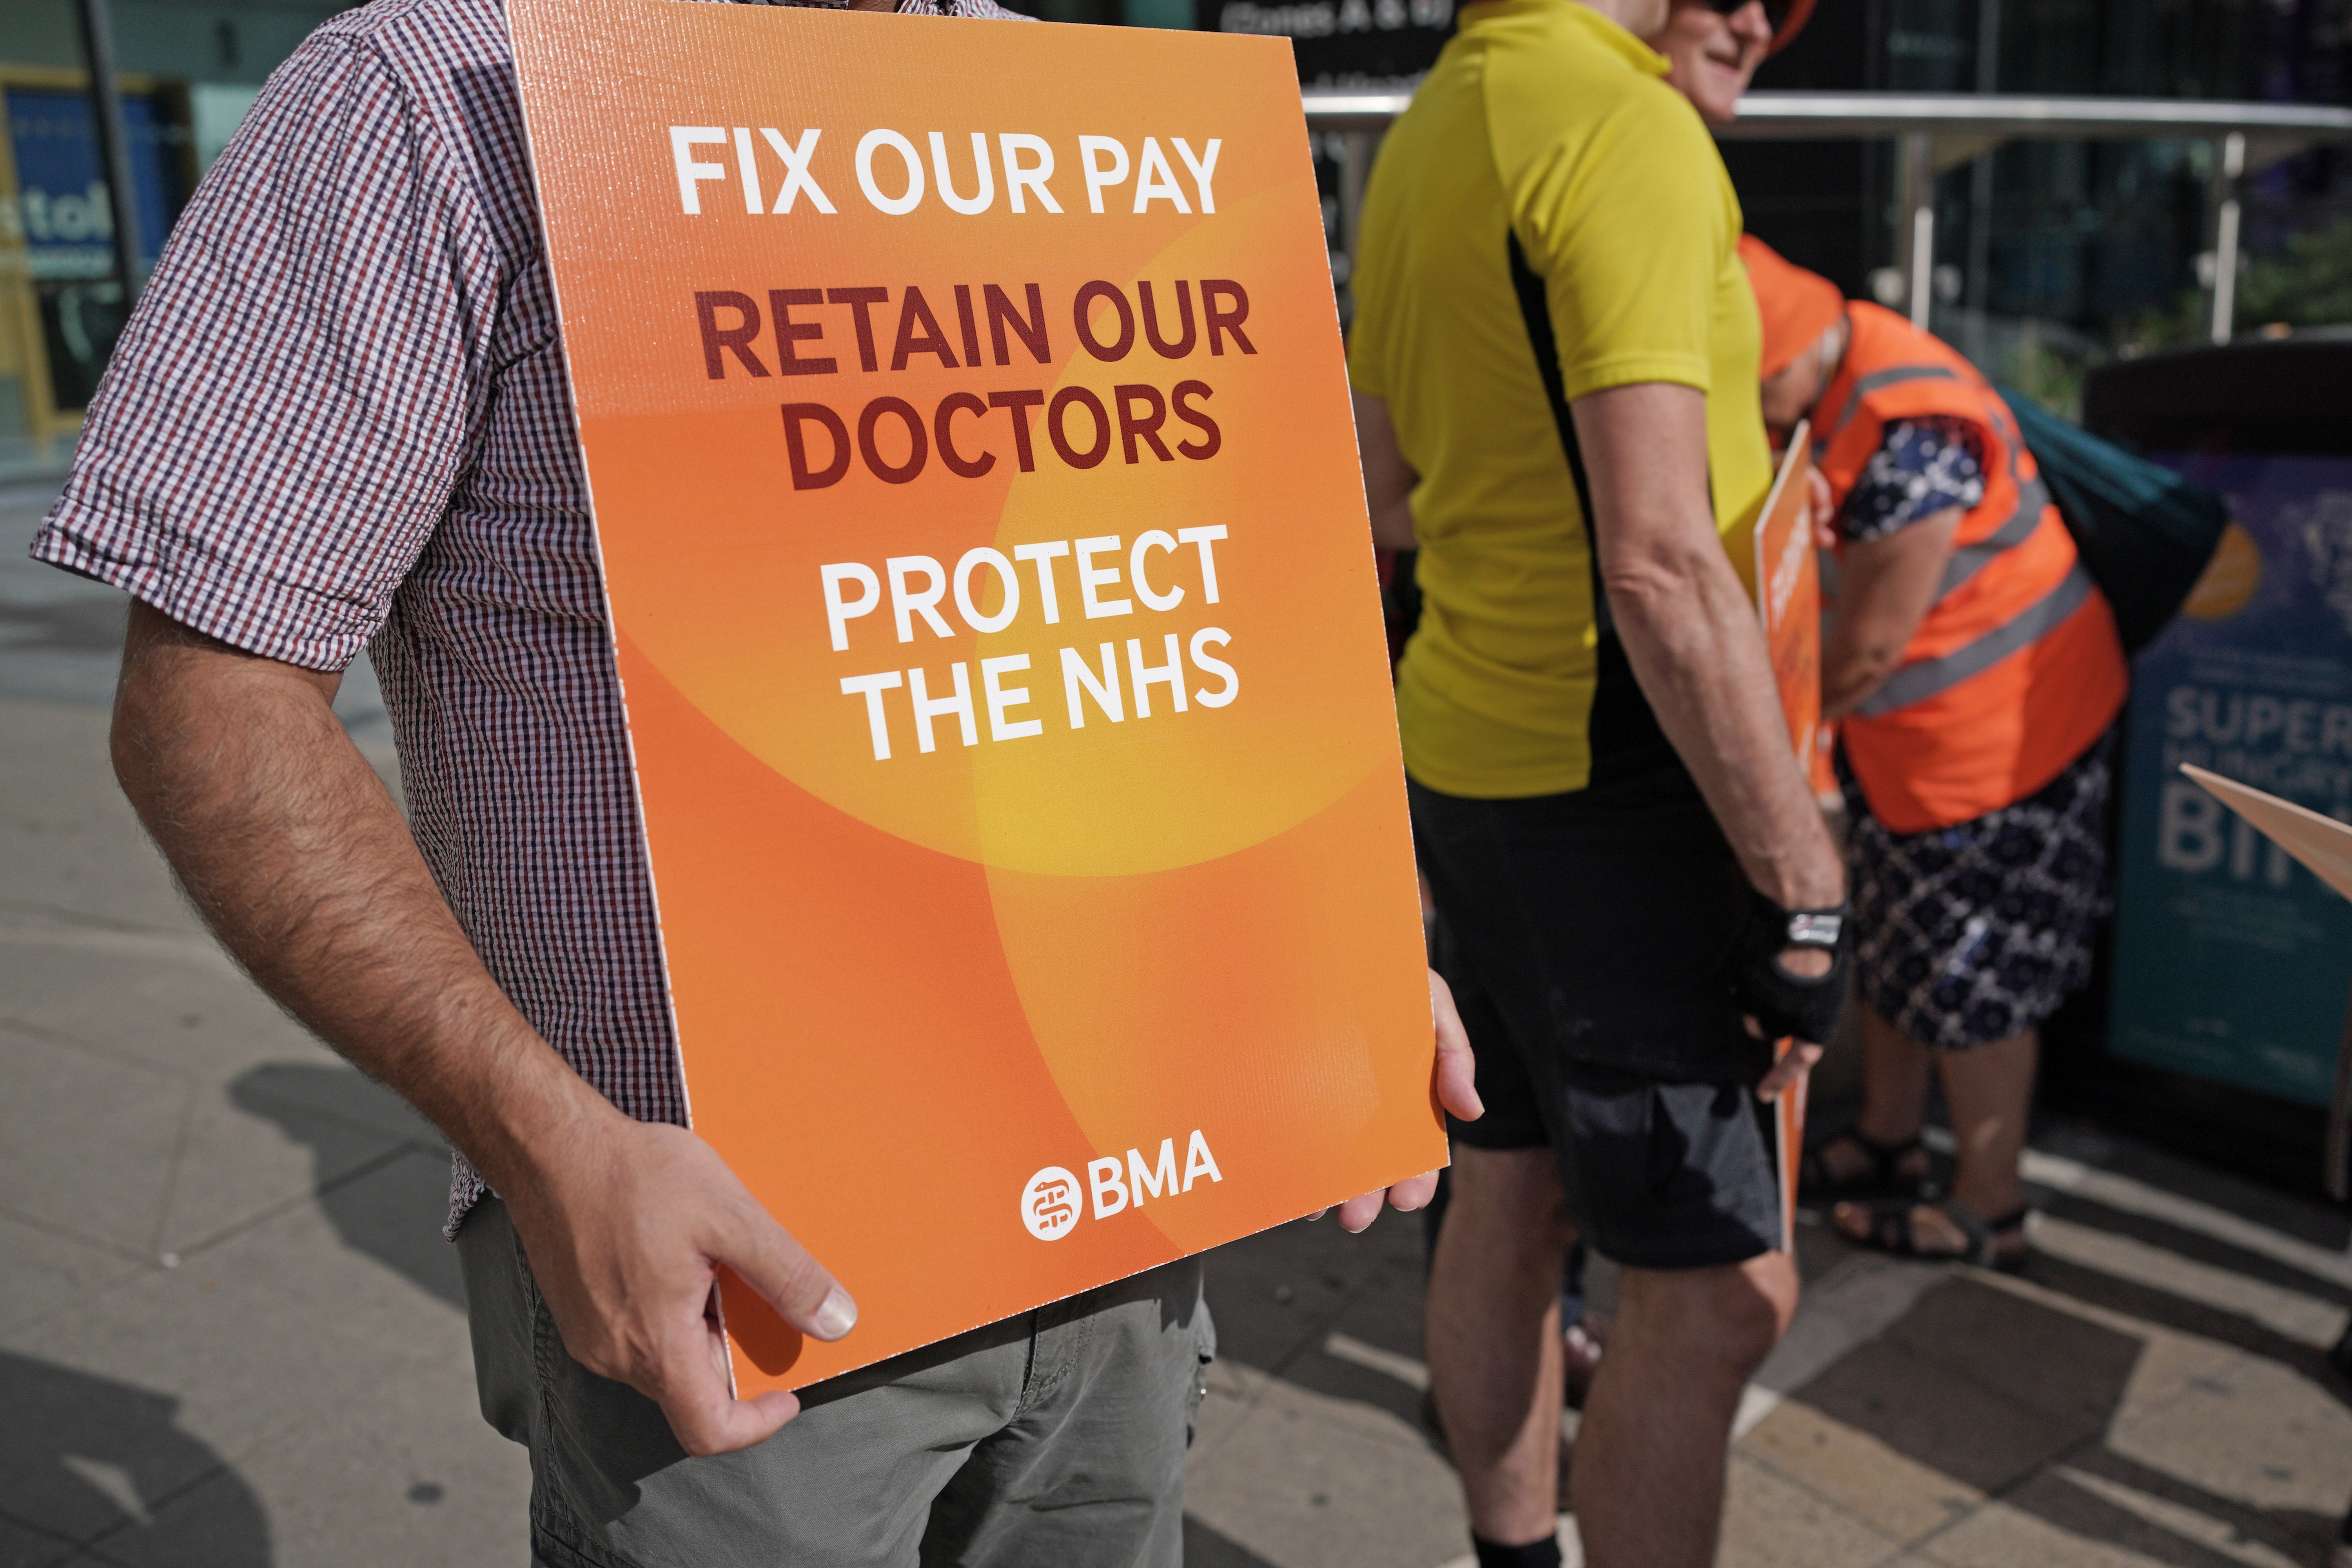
(1588,939)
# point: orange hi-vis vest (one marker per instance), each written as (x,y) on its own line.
(2016,668)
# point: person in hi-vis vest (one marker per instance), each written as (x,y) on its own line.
(1975,674)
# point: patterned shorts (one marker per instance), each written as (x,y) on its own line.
(1968,934)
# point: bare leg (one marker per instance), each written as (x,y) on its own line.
(1990,1091)
(1492,1333)
(1894,1080)
(1648,1480)
(1893,1099)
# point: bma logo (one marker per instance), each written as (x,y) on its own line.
(1050,1203)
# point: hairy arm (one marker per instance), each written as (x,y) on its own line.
(1694,643)
(1885,587)
(1388,479)
(293,852)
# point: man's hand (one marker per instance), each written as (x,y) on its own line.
(1457,1092)
(289,845)
(1789,1072)
(1823,504)
(626,1227)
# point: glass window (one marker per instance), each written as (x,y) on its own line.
(186,73)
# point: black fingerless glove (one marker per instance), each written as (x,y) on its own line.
(1784,1005)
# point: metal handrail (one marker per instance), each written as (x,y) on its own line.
(1936,130)
(1875,116)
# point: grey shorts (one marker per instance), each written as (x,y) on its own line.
(1053,1438)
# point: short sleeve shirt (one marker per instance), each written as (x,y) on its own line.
(1549,219)
(341,418)
(1922,467)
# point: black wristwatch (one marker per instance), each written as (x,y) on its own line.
(1816,928)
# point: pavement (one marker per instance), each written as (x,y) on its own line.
(230,1336)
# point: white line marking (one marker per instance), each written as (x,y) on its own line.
(1413,1374)
(2307,1319)
(2133,1197)
(2186,1522)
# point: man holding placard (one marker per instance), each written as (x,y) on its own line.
(1555,356)
(341,417)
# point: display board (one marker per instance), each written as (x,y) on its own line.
(2322,846)
(2232,961)
(968,434)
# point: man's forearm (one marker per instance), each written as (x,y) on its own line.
(1701,663)
(293,852)
(1693,637)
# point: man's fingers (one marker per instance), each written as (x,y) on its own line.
(1788,1071)
(692,1386)
(712,1421)
(769,1261)
(1360,1211)
(1413,1192)
(1458,1088)
(1824,508)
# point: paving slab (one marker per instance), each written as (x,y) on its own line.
(1277,1293)
(48,1272)
(168,1000)
(2165,1511)
(23,1547)
(1769,1522)
(1299,1478)
(2001,1536)
(2075,1375)
(2251,1432)
(431,1486)
(1940,1418)
(89,1144)
(283,1328)
(1896,1495)
(154,1162)
(2305,1311)
(69,840)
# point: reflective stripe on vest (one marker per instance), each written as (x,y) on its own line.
(1916,682)
(1865,385)
(1919,681)
(1970,559)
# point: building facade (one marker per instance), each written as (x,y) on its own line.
(2049,254)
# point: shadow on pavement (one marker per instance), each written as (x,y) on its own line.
(1205,1548)
(390,1210)
(89,1460)
(2015,1398)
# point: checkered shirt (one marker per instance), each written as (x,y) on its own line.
(339,418)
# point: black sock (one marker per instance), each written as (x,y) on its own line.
(1544,1554)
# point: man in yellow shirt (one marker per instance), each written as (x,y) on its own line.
(1554,354)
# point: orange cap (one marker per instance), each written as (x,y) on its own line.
(1797,306)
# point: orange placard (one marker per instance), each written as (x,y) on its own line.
(2321,844)
(965,417)
(1788,593)
(1788,596)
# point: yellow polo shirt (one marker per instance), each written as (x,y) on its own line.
(1547,219)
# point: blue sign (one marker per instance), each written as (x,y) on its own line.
(62,207)
(2232,962)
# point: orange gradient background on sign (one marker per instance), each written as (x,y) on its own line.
(903,986)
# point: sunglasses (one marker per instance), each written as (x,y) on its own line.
(1775,11)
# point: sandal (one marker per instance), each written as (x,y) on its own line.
(1891,1230)
(1880,1178)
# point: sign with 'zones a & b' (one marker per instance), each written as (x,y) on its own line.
(966,423)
